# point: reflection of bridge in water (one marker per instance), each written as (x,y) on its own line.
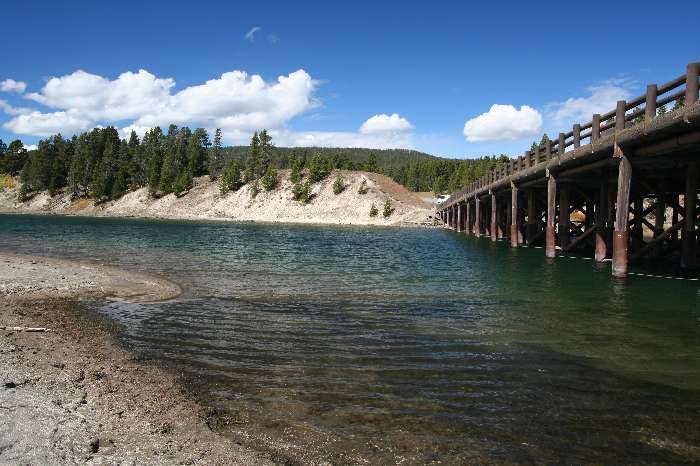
(596,188)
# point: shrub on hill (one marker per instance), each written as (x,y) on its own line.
(338,184)
(373,212)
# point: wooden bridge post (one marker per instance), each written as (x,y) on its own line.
(577,136)
(550,246)
(595,128)
(560,145)
(689,248)
(650,106)
(531,226)
(691,86)
(494,218)
(459,218)
(621,233)
(467,223)
(601,236)
(477,218)
(514,217)
(564,217)
(620,115)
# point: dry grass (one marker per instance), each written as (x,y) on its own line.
(7,182)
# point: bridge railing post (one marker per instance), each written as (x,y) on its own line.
(577,136)
(562,144)
(650,106)
(691,83)
(620,115)
(595,128)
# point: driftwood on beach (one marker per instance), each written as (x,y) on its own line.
(26,329)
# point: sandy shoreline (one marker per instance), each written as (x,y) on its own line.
(73,394)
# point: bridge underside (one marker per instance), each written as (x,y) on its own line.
(629,197)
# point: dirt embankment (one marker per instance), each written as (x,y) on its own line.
(204,201)
(73,395)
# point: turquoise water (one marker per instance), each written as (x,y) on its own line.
(376,345)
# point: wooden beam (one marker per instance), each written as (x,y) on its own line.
(589,231)
(651,244)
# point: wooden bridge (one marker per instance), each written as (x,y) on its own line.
(623,186)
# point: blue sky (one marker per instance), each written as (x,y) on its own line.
(379,74)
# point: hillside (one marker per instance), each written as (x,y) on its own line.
(204,201)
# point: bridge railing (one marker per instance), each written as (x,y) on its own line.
(642,109)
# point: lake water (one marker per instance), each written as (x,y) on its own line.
(386,345)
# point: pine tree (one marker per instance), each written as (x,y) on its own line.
(265,150)
(122,178)
(215,161)
(297,165)
(338,184)
(302,192)
(197,150)
(372,163)
(270,179)
(183,182)
(388,209)
(153,153)
(231,178)
(373,212)
(318,169)
(251,161)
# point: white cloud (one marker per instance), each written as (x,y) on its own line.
(504,123)
(250,35)
(10,110)
(273,39)
(98,98)
(236,102)
(385,124)
(46,124)
(377,132)
(30,146)
(602,98)
(10,85)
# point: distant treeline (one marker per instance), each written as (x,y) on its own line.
(99,164)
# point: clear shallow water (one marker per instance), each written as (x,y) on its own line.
(390,345)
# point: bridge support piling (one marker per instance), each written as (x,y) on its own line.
(514,217)
(550,247)
(601,236)
(467,223)
(477,218)
(690,240)
(564,217)
(531,225)
(621,233)
(459,218)
(494,218)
